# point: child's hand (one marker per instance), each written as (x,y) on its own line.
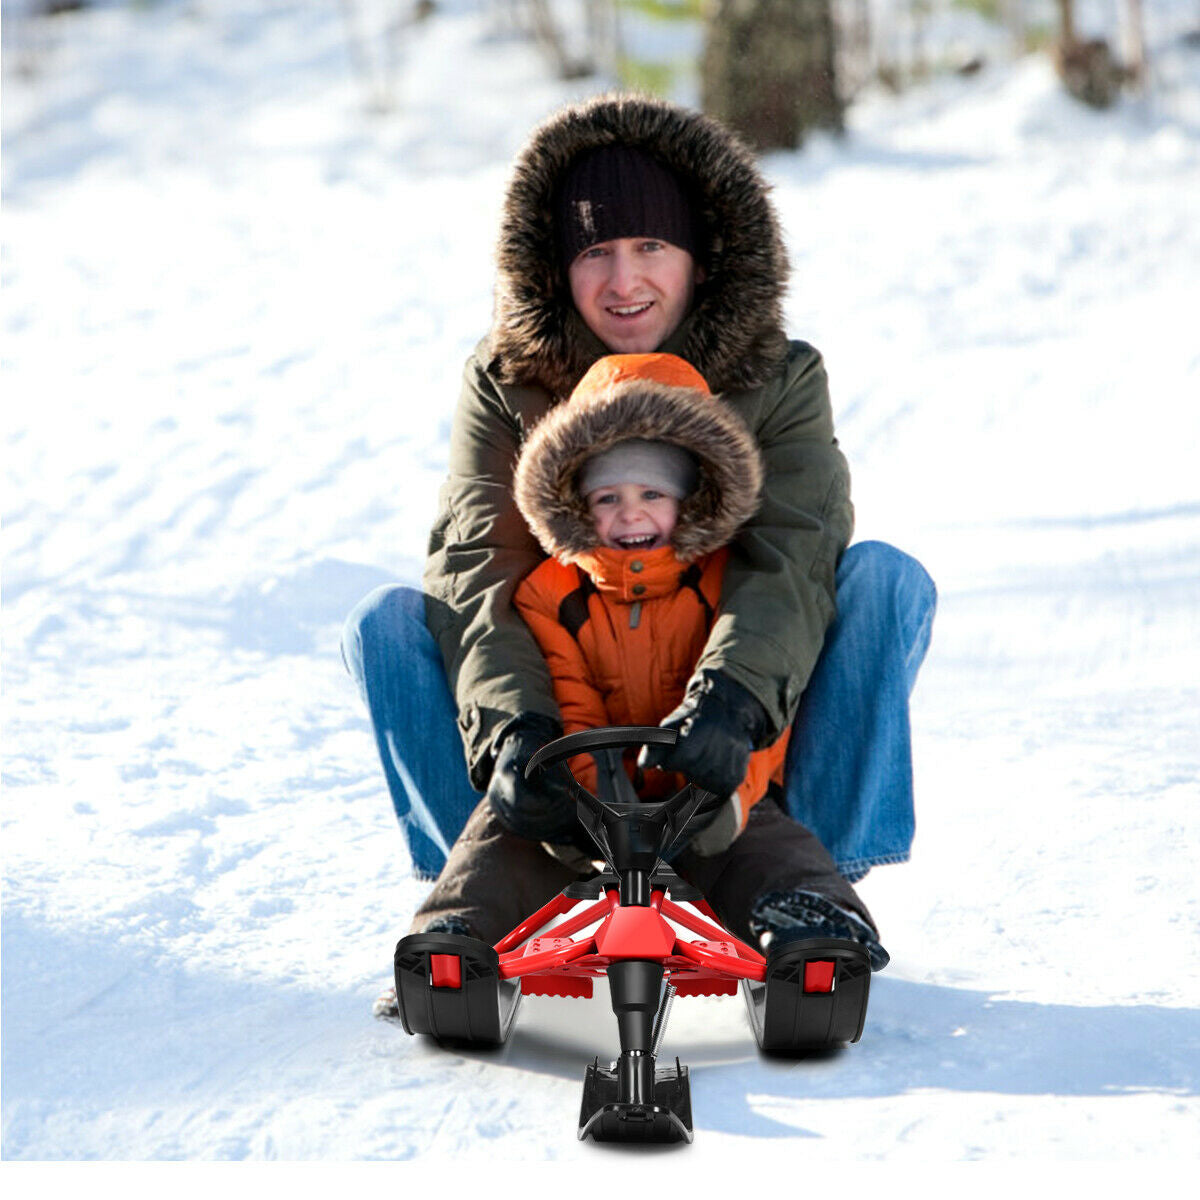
(719,723)
(540,809)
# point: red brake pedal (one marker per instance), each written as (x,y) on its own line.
(445,970)
(819,975)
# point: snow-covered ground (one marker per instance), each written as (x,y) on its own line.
(236,306)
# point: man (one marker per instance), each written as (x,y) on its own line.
(631,225)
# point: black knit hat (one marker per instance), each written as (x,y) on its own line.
(621,191)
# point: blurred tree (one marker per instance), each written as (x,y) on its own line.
(1013,14)
(558,28)
(1136,26)
(1086,66)
(549,36)
(373,39)
(769,69)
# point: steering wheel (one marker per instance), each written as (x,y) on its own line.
(670,818)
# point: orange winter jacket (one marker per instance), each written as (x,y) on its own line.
(622,631)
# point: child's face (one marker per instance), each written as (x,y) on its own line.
(633,516)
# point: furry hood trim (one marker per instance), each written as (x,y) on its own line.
(611,406)
(734,334)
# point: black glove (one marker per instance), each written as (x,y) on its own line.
(541,808)
(719,723)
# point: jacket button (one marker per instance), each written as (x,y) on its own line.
(636,565)
(639,589)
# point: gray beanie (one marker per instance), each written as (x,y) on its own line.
(663,465)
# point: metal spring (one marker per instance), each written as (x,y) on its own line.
(660,1018)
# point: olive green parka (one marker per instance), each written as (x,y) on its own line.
(778,593)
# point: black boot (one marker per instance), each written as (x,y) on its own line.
(780,918)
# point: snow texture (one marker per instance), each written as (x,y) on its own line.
(236,305)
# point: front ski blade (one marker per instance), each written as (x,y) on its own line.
(607,1119)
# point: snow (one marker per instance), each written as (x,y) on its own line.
(236,305)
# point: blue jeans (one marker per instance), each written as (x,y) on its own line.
(849,765)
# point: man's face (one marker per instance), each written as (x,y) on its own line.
(633,292)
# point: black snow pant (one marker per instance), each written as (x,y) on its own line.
(493,880)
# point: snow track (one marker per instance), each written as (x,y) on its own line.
(235,312)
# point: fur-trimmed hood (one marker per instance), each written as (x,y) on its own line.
(639,396)
(734,334)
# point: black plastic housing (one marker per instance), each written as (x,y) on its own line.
(479,1012)
(787,1018)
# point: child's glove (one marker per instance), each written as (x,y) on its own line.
(719,723)
(541,808)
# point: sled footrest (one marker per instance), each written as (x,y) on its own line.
(814,996)
(449,987)
(607,1119)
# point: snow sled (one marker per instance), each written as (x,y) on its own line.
(805,995)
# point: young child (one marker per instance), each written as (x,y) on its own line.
(635,487)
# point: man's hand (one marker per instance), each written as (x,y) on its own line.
(719,723)
(540,809)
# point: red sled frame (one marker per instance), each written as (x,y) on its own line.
(556,964)
(805,995)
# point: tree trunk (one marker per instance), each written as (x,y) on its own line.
(1087,68)
(769,69)
(1066,21)
(1137,42)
